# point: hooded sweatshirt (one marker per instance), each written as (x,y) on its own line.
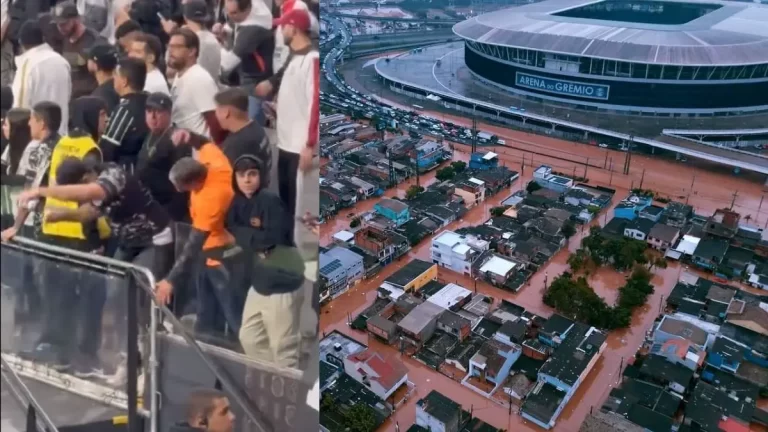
(85,116)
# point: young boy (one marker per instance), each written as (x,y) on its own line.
(261,224)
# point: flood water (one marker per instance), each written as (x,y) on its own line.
(711,190)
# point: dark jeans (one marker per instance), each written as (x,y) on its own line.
(287,170)
(221,292)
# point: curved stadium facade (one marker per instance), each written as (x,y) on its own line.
(650,57)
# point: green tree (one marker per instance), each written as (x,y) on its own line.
(498,211)
(459,166)
(413,192)
(569,229)
(360,418)
(327,403)
(354,223)
(444,174)
(577,261)
(532,187)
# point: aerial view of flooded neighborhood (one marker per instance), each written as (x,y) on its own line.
(589,257)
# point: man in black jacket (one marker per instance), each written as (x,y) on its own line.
(157,156)
(126,130)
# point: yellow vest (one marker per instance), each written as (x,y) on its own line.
(68,147)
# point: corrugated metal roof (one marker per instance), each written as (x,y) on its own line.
(735,34)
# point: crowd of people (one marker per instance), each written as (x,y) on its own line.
(145,131)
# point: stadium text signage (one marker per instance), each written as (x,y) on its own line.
(567,88)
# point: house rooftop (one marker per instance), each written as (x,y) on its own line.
(615,226)
(389,370)
(448,239)
(599,421)
(453,320)
(498,266)
(450,296)
(440,406)
(653,210)
(641,224)
(709,405)
(649,419)
(489,356)
(486,328)
(409,272)
(339,345)
(514,330)
(663,232)
(753,317)
(480,305)
(420,317)
(392,204)
(659,368)
(720,294)
(709,248)
(542,403)
(683,329)
(573,355)
(557,324)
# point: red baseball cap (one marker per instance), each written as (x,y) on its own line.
(296,17)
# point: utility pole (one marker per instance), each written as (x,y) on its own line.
(642,178)
(690,190)
(474,132)
(661,302)
(585,168)
(733,201)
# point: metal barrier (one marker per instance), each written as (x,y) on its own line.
(143,282)
(37,419)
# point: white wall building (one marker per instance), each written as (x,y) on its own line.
(456,252)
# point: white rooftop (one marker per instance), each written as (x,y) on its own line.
(688,245)
(447,238)
(476,181)
(498,265)
(344,236)
(461,249)
(490,155)
(449,296)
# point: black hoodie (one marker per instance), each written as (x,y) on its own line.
(84,116)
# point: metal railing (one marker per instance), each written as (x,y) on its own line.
(144,279)
(36,416)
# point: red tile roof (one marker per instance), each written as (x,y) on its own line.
(389,371)
(732,425)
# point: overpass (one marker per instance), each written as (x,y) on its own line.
(406,34)
(433,21)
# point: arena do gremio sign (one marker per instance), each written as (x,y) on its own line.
(566,88)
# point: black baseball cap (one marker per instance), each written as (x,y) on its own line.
(104,55)
(64,11)
(196,10)
(159,101)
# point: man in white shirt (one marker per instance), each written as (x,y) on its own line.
(193,89)
(298,114)
(42,74)
(281,45)
(6,47)
(148,48)
(195,16)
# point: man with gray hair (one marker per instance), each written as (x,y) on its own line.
(220,288)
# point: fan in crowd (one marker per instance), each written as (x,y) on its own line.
(135,130)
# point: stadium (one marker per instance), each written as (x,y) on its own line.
(638,57)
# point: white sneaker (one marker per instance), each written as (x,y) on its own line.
(120,377)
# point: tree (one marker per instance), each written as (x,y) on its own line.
(569,229)
(354,223)
(577,261)
(444,174)
(327,403)
(459,166)
(360,418)
(413,192)
(498,211)
(532,187)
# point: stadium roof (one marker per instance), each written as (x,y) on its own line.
(733,34)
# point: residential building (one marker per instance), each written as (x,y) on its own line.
(711,409)
(336,346)
(331,119)
(652,212)
(638,228)
(344,148)
(497,269)
(441,214)
(677,214)
(662,237)
(347,393)
(562,374)
(454,324)
(578,197)
(543,177)
(427,154)
(381,327)
(437,413)
(726,354)
(451,297)
(630,207)
(344,238)
(555,330)
(412,276)
(384,245)
(420,324)
(493,361)
(710,253)
(366,189)
(472,191)
(456,252)
(341,267)
(723,224)
(547,229)
(682,352)
(383,375)
(483,161)
(394,210)
(496,179)
(672,327)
